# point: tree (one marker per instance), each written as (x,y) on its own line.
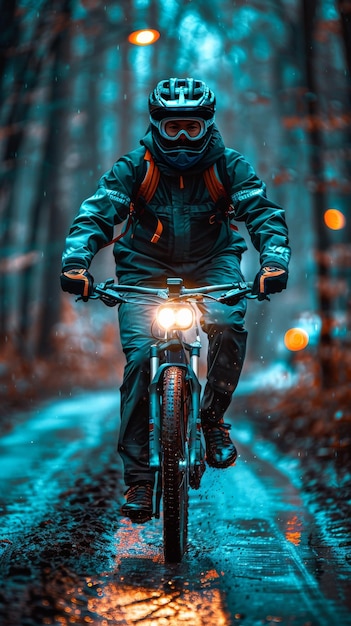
(74,99)
(344,8)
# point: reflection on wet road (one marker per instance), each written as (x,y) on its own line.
(256,554)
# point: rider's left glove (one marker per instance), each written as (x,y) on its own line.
(78,281)
(270,279)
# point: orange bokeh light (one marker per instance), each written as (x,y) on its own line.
(334,219)
(293,530)
(296,339)
(143,37)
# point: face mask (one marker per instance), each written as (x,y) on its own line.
(182,160)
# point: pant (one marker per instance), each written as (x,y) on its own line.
(224,326)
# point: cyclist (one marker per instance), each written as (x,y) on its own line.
(181,231)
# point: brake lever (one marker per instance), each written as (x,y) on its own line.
(108,301)
(233,296)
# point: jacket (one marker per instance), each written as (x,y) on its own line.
(191,226)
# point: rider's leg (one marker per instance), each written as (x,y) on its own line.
(224,326)
(133,444)
(225,359)
(226,354)
(135,333)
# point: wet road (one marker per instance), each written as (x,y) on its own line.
(257,554)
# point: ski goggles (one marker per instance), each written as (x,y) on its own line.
(171,128)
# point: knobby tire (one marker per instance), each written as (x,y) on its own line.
(175,466)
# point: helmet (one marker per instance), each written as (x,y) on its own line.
(182,96)
(178,99)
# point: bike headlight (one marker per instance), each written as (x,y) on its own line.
(179,317)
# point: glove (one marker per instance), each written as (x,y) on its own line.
(269,279)
(78,281)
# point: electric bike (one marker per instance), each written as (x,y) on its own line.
(176,450)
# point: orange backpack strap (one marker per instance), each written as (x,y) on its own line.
(146,191)
(213,184)
(151,179)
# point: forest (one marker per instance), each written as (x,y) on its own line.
(74,94)
(269,539)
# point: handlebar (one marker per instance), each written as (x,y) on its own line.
(111,294)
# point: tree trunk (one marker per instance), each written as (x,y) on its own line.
(344,8)
(27,67)
(56,146)
(309,13)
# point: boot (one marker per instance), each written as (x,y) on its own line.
(220,450)
(139,502)
(225,359)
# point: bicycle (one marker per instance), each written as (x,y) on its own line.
(176,452)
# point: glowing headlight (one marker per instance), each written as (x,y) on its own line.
(179,317)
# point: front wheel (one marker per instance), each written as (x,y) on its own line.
(176,400)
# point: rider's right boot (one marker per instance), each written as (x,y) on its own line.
(139,505)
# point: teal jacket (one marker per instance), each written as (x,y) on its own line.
(183,205)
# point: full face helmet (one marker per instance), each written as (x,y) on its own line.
(182,115)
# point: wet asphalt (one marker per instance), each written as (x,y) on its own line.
(258,552)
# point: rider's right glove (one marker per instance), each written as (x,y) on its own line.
(78,281)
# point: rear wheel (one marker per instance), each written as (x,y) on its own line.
(175,466)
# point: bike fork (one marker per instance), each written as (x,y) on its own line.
(156,377)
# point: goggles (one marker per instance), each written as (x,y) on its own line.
(193,128)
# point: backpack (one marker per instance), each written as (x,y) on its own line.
(223,206)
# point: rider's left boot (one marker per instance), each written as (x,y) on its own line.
(220,450)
